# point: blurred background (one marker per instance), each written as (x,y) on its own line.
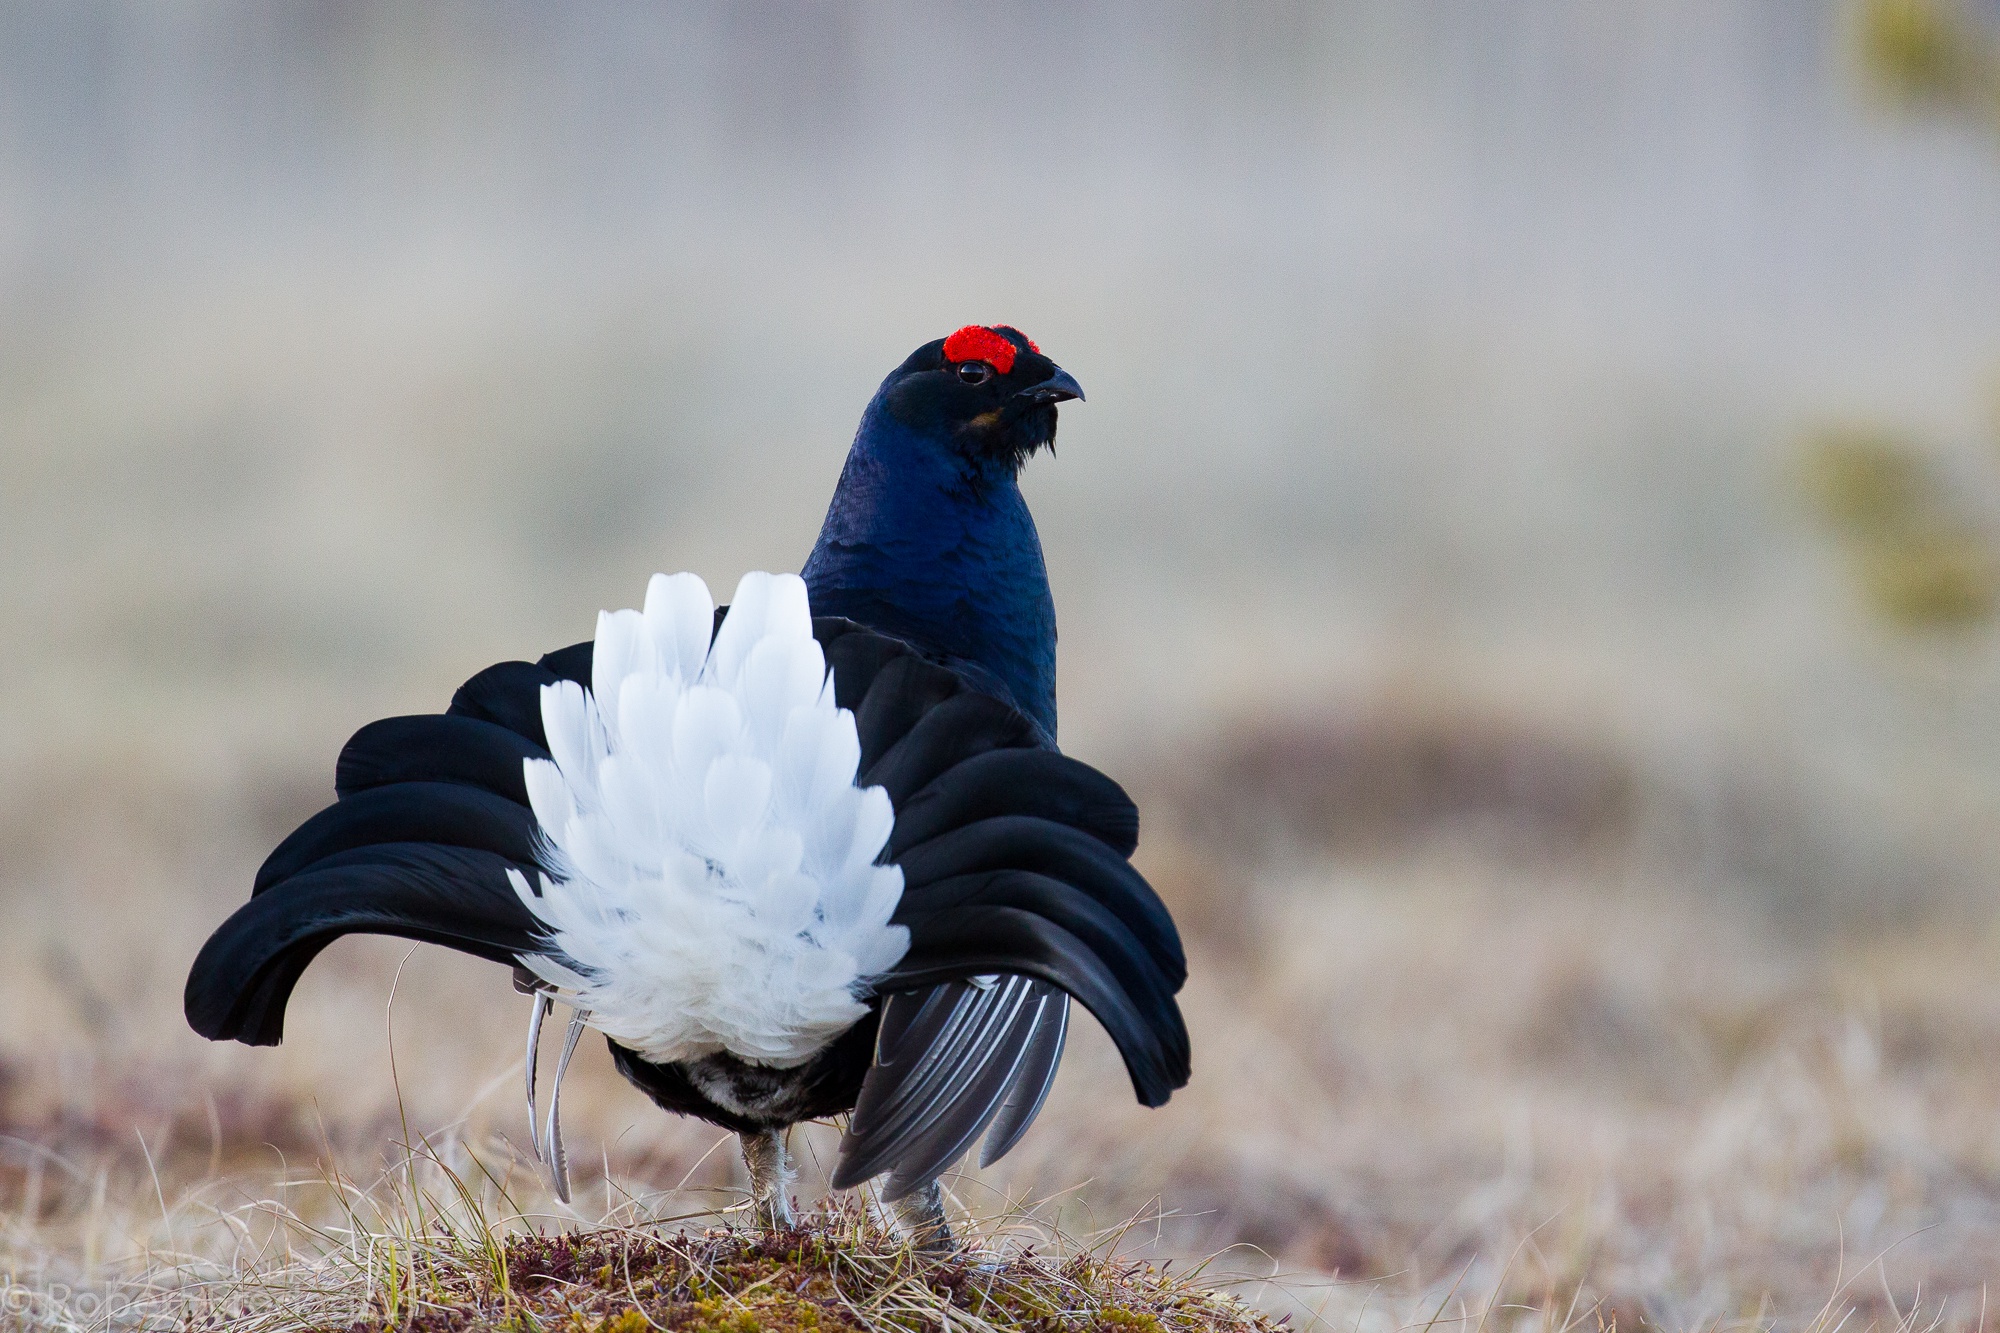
(1532,547)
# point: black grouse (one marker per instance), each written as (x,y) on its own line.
(810,853)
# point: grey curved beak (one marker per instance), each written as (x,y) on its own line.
(1059,387)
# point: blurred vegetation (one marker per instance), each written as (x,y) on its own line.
(1931,51)
(1921,560)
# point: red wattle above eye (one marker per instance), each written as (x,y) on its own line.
(976,342)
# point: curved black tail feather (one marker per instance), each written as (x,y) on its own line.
(1014,859)
(448,814)
(454,896)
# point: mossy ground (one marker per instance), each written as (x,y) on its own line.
(834,1274)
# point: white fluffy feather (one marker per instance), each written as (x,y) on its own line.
(714,885)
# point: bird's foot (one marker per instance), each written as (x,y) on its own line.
(775,1214)
(924,1223)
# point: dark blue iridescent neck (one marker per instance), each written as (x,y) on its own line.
(925,544)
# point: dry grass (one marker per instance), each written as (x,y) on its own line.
(1447,1062)
(837,1272)
(1425,1089)
(1597,924)
(440,1242)
(1472,1048)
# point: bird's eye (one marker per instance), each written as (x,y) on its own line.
(975,372)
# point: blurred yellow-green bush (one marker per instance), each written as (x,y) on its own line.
(1930,50)
(1921,561)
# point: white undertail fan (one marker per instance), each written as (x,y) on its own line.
(788,867)
(712,878)
(713,882)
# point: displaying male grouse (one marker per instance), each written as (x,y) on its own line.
(811,853)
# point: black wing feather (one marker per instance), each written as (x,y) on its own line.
(945,1063)
(1031,1085)
(981,941)
(996,1080)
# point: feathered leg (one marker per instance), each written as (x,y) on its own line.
(770,1177)
(922,1215)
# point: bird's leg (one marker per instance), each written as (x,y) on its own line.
(770,1177)
(922,1215)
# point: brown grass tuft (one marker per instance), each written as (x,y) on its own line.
(838,1272)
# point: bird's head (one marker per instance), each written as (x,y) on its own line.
(986,393)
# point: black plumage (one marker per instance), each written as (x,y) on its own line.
(936,622)
(1014,866)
